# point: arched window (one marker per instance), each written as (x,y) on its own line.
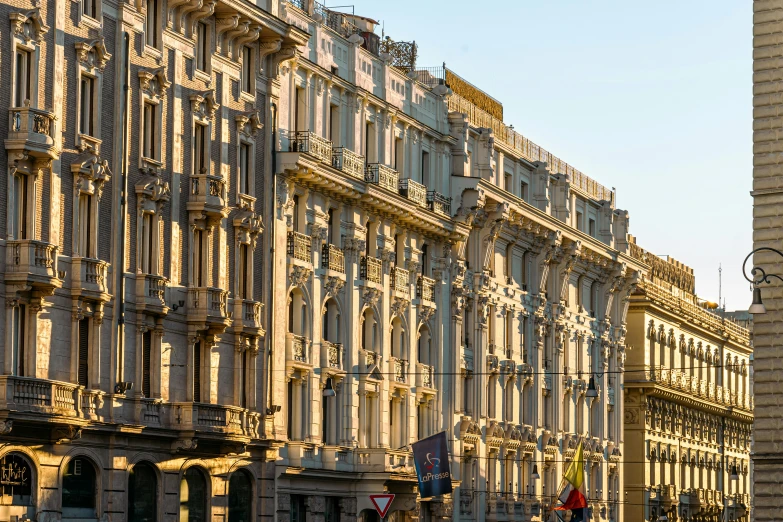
(297,313)
(79,489)
(193,496)
(143,493)
(331,322)
(16,487)
(425,345)
(369,331)
(240,496)
(398,339)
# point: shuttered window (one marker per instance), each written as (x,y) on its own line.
(197,372)
(146,353)
(84,350)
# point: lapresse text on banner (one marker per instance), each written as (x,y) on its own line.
(431,456)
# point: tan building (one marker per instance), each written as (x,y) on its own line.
(131,259)
(688,404)
(767,232)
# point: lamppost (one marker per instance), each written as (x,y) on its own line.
(759,276)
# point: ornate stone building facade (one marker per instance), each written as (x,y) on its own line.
(133,276)
(767,232)
(440,273)
(688,403)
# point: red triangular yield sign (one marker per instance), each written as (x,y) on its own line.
(382,503)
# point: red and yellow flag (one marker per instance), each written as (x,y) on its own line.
(572,493)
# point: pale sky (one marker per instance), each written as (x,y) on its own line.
(654,99)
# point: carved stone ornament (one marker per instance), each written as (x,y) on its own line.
(204,105)
(332,286)
(426,313)
(151,191)
(398,306)
(90,173)
(184,445)
(370,296)
(64,434)
(299,276)
(92,54)
(6,426)
(249,123)
(153,82)
(248,224)
(28,25)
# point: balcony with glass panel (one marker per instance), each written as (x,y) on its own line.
(31,130)
(30,262)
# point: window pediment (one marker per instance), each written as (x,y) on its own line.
(92,54)
(153,82)
(28,26)
(249,123)
(204,105)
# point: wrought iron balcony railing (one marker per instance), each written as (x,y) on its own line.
(299,246)
(399,367)
(425,375)
(332,258)
(439,203)
(425,288)
(383,176)
(371,269)
(400,280)
(332,355)
(312,144)
(414,191)
(348,161)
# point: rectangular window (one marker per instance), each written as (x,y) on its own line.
(399,156)
(202,46)
(243,381)
(579,221)
(591,224)
(425,168)
(334,125)
(24,71)
(197,372)
(244,287)
(332,511)
(523,191)
(300,110)
(146,356)
(298,509)
(149,145)
(87,106)
(151,28)
(200,149)
(508,183)
(84,352)
(85,225)
(90,8)
(244,168)
(147,238)
(18,338)
(247,70)
(20,193)
(198,258)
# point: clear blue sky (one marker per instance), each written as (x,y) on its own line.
(654,99)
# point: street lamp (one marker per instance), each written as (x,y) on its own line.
(592,392)
(329,390)
(758,276)
(535,474)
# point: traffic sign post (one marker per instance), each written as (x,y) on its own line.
(382,503)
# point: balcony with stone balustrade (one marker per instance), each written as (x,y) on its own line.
(208,195)
(208,308)
(210,419)
(247,316)
(151,294)
(425,377)
(298,351)
(30,262)
(31,131)
(89,278)
(332,356)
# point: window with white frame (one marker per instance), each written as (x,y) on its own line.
(152,22)
(248,75)
(202,46)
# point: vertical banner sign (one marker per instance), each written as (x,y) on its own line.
(431,457)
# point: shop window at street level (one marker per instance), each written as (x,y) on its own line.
(16,482)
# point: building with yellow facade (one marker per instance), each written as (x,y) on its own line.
(688,408)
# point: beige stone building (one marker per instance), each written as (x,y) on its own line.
(768,232)
(133,273)
(688,402)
